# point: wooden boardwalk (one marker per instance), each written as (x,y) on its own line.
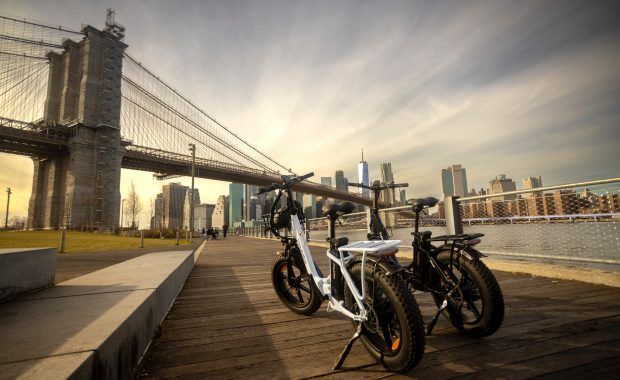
(227,323)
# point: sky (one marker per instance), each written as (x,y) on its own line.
(522,88)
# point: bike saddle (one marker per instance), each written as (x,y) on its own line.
(334,210)
(419,203)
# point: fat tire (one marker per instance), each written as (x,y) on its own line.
(412,341)
(490,293)
(316,298)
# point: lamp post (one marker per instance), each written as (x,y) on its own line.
(8,199)
(192,148)
(122,212)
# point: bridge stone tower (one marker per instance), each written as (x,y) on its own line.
(81,187)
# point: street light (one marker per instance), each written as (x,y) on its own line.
(192,148)
(8,199)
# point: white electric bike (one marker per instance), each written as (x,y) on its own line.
(365,283)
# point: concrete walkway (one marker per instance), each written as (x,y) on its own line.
(75,264)
(228,323)
(96,325)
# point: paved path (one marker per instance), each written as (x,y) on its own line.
(75,264)
(227,322)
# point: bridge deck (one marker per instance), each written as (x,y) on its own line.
(228,323)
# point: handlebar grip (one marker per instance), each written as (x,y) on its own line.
(305,176)
(354,184)
(400,185)
(262,190)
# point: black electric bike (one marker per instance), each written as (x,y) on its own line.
(365,282)
(461,285)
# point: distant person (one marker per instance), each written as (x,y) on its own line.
(225,229)
(215,233)
(209,233)
(204,233)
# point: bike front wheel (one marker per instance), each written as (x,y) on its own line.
(394,331)
(294,287)
(477,309)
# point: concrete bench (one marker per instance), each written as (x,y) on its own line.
(24,270)
(93,326)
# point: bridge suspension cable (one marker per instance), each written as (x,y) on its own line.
(154,114)
(24,67)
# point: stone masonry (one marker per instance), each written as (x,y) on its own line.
(80,189)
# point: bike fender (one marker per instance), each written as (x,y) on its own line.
(466,251)
(388,266)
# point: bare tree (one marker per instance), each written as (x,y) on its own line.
(134,205)
(18,223)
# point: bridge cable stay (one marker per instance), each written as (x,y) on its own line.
(169,108)
(205,129)
(24,67)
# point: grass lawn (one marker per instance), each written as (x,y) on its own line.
(77,241)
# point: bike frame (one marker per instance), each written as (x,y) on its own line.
(324,284)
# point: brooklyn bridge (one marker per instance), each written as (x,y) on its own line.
(83,109)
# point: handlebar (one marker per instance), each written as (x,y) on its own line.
(287,182)
(358,185)
(400,185)
(379,187)
(305,176)
(262,190)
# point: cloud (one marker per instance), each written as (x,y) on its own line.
(522,88)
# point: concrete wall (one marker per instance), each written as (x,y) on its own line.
(24,270)
(94,326)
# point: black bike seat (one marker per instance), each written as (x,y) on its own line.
(334,210)
(419,203)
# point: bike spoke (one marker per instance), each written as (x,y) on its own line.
(301,298)
(386,335)
(304,288)
(472,307)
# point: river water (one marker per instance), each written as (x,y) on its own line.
(597,242)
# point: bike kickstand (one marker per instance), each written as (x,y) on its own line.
(347,348)
(431,325)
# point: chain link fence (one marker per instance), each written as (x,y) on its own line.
(577,223)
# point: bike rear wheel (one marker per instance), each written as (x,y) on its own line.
(394,332)
(294,287)
(478,309)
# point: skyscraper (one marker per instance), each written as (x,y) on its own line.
(250,200)
(310,206)
(454,181)
(362,175)
(173,198)
(235,203)
(203,216)
(340,181)
(327,181)
(532,182)
(501,184)
(186,206)
(220,212)
(388,195)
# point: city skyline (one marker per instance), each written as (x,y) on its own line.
(535,85)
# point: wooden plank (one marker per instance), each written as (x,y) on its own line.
(228,323)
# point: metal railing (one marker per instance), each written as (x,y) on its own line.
(577,222)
